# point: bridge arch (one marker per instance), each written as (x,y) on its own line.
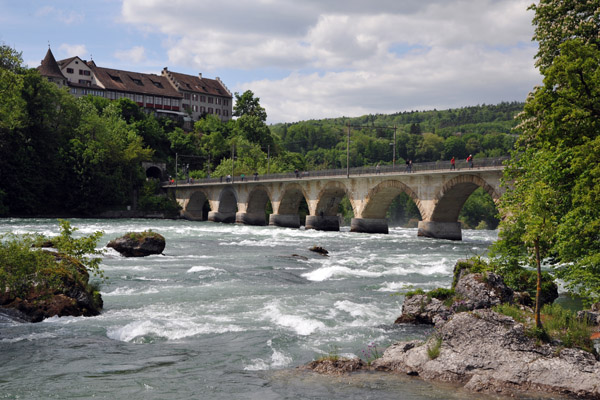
(451,197)
(286,207)
(256,207)
(257,199)
(228,200)
(380,197)
(226,208)
(290,200)
(329,199)
(198,206)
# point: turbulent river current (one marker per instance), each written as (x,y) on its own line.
(230,311)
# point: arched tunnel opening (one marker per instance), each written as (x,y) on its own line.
(153,173)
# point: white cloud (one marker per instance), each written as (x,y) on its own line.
(66,17)
(350,57)
(135,55)
(71,50)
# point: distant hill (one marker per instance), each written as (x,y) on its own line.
(482,130)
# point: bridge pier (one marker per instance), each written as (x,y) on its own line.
(323,223)
(440,230)
(285,220)
(227,218)
(250,218)
(369,225)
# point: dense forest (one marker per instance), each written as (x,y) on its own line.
(61,155)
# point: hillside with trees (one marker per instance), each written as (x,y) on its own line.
(61,155)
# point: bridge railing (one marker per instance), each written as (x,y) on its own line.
(357,171)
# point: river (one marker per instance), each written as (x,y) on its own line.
(230,311)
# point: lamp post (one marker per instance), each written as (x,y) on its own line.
(348,153)
(232,162)
(393,144)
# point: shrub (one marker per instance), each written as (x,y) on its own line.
(152,200)
(558,324)
(433,349)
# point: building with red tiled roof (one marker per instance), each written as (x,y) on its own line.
(202,95)
(185,96)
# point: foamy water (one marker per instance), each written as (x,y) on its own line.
(226,310)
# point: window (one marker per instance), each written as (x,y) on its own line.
(210,100)
(225,102)
(210,110)
(203,99)
(85,82)
(158,101)
(194,108)
(218,112)
(84,72)
(150,99)
(167,101)
(202,109)
(70,70)
(186,96)
(139,98)
(225,113)
(136,81)
(115,78)
(111,95)
(195,97)
(219,100)
(73,90)
(175,103)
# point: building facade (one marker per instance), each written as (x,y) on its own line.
(172,94)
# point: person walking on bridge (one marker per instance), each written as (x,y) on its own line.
(453,163)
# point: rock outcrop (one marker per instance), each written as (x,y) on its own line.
(489,352)
(472,292)
(62,292)
(138,244)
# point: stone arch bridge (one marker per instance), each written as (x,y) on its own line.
(439,195)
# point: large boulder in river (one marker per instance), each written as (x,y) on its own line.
(138,244)
(489,352)
(59,289)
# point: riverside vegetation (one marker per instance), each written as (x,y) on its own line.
(36,283)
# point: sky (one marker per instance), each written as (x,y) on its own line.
(304,59)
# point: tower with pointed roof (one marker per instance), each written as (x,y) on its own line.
(51,71)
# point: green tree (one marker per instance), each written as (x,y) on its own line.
(247,104)
(555,166)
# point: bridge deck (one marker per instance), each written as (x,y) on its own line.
(437,167)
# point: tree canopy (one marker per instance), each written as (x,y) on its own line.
(552,207)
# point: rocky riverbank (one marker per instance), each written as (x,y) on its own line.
(480,349)
(60,289)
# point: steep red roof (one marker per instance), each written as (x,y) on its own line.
(194,83)
(50,67)
(133,82)
(66,61)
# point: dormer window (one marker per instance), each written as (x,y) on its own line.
(157,84)
(115,78)
(136,81)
